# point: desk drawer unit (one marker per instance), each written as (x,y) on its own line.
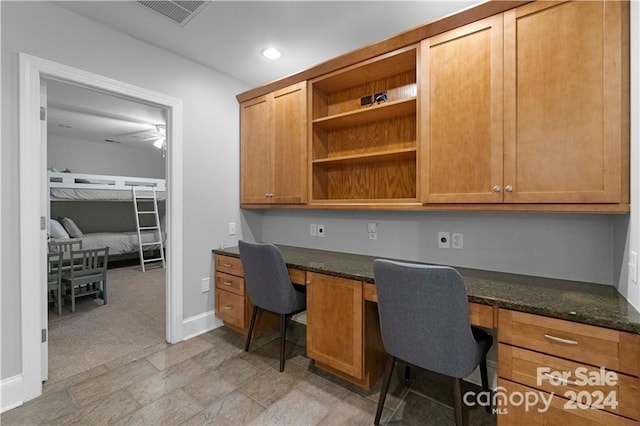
(230,283)
(592,372)
(229,265)
(230,308)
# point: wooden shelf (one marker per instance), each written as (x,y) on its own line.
(368,114)
(396,154)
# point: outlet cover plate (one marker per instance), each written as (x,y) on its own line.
(456,241)
(320,230)
(444,240)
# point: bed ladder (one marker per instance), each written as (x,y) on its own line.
(143,213)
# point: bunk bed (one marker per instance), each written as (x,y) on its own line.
(66,187)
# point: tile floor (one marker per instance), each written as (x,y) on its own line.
(211,380)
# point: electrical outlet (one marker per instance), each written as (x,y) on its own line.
(313,230)
(232,228)
(206,285)
(444,240)
(320,230)
(457,241)
(372,227)
(366,100)
(373,235)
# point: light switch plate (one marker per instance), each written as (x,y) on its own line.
(206,285)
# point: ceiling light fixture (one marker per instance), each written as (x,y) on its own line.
(162,132)
(271,53)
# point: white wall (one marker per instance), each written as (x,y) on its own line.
(210,139)
(104,158)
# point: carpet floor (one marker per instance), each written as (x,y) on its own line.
(132,320)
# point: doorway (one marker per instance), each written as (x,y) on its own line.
(33,183)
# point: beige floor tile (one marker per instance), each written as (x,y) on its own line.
(234,409)
(272,385)
(163,382)
(113,380)
(398,389)
(172,409)
(104,411)
(295,408)
(354,410)
(136,355)
(221,381)
(321,389)
(49,386)
(269,355)
(40,410)
(220,352)
(174,354)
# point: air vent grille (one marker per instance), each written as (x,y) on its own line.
(180,12)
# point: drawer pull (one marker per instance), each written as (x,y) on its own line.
(560,379)
(228,307)
(560,340)
(227,265)
(226,283)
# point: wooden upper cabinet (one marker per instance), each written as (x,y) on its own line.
(565,123)
(462,104)
(273,147)
(255,150)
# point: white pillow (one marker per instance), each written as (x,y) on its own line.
(56,230)
(71,227)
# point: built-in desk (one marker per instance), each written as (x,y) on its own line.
(540,321)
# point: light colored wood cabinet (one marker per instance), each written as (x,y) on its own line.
(273,147)
(568,360)
(462,111)
(365,153)
(528,107)
(335,323)
(566,111)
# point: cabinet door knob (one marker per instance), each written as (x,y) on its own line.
(508,188)
(497,188)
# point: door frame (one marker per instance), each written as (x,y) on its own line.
(32,176)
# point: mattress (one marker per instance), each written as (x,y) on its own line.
(83,194)
(118,242)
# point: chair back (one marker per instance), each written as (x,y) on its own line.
(267,279)
(424,317)
(54,269)
(66,246)
(90,261)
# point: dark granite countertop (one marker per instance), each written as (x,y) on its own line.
(587,303)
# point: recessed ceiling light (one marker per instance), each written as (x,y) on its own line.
(271,53)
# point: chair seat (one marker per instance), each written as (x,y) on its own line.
(83,278)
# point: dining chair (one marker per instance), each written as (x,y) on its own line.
(424,320)
(87,274)
(54,280)
(269,287)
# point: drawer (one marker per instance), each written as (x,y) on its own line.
(556,414)
(602,347)
(298,276)
(369,292)
(522,366)
(230,308)
(230,283)
(229,265)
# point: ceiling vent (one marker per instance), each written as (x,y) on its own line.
(179,12)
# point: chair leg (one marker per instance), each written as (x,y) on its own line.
(457,401)
(73,298)
(283,338)
(391,361)
(59,299)
(407,372)
(254,314)
(104,291)
(485,383)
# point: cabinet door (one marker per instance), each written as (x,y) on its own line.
(462,125)
(563,102)
(256,150)
(290,145)
(334,323)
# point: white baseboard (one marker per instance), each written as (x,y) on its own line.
(200,324)
(11,393)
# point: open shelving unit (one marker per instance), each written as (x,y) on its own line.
(366,153)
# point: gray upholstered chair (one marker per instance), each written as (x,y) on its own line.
(87,274)
(269,287)
(54,280)
(424,319)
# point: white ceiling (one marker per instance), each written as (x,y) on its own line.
(88,115)
(229,36)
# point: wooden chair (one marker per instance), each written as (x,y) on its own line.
(65,247)
(87,274)
(54,280)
